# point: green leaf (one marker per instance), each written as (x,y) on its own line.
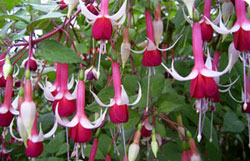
(160,128)
(130,84)
(232,123)
(62,149)
(54,51)
(169,152)
(157,84)
(168,106)
(42,21)
(52,146)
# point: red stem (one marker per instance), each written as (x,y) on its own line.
(40,75)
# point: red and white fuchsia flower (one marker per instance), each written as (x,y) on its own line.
(241,28)
(80,126)
(119,111)
(27,122)
(152,55)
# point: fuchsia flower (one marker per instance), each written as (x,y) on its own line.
(80,126)
(32,62)
(241,28)
(186,155)
(152,55)
(59,93)
(202,78)
(102,24)
(119,111)
(7,112)
(27,123)
(206,28)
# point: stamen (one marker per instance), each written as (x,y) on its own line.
(199,128)
(245,81)
(124,141)
(100,55)
(211,127)
(82,147)
(67,140)
(148,89)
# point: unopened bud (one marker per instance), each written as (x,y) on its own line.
(154,144)
(91,74)
(158,25)
(71,6)
(133,151)
(196,16)
(7,67)
(125,47)
(189,4)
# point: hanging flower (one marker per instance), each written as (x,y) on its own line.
(7,111)
(152,55)
(158,25)
(102,24)
(31,62)
(119,111)
(91,74)
(202,82)
(241,28)
(125,52)
(80,126)
(134,148)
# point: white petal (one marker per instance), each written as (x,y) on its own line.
(48,95)
(208,63)
(38,138)
(151,46)
(234,53)
(186,18)
(70,96)
(92,125)
(74,94)
(176,76)
(222,29)
(59,96)
(217,19)
(11,132)
(229,85)
(3,109)
(189,4)
(211,73)
(246,25)
(86,12)
(41,85)
(138,52)
(124,97)
(120,22)
(120,13)
(14,111)
(90,21)
(71,83)
(100,102)
(248,2)
(16,72)
(66,122)
(15,103)
(28,113)
(52,131)
(171,45)
(227,10)
(138,97)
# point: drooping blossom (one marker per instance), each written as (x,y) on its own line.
(206,28)
(27,122)
(152,55)
(63,98)
(119,112)
(91,74)
(102,23)
(80,126)
(202,82)
(7,111)
(241,28)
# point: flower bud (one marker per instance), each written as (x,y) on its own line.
(133,151)
(227,10)
(91,74)
(71,6)
(7,67)
(154,144)
(125,47)
(189,4)
(158,25)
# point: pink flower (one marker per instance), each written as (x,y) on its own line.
(241,28)
(206,28)
(7,112)
(59,93)
(202,76)
(80,126)
(102,24)
(119,112)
